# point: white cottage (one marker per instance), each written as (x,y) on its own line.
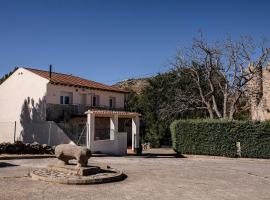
(55,108)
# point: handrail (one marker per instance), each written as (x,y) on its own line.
(88,106)
(81,135)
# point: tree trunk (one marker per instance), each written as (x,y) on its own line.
(225,102)
(211,114)
(215,107)
(232,111)
(233,104)
(210,110)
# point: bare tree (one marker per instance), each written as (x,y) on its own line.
(184,101)
(222,71)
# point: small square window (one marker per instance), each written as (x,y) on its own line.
(64,100)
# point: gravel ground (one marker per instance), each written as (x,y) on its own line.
(162,177)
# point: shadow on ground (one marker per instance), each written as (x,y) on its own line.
(4,164)
(145,155)
(158,155)
(154,155)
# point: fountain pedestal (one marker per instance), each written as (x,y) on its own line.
(73,170)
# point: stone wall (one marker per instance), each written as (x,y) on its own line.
(259,92)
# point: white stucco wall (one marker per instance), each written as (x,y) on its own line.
(54,91)
(13,92)
(117,146)
(18,87)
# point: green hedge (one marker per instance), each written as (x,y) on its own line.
(218,138)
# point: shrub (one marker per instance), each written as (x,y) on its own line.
(20,148)
(153,137)
(218,138)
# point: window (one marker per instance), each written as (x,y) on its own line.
(112,102)
(95,100)
(61,100)
(65,98)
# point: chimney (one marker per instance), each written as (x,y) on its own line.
(50,72)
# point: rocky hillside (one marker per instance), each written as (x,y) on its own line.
(135,85)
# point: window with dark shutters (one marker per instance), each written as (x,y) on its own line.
(112,102)
(95,101)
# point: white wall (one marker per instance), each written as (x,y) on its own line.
(118,146)
(53,95)
(7,131)
(13,92)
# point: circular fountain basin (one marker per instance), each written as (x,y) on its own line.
(77,176)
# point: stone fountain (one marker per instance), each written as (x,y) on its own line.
(82,173)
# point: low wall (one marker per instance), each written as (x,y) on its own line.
(118,146)
(45,132)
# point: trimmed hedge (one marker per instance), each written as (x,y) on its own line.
(218,138)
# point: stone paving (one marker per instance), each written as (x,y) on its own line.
(150,177)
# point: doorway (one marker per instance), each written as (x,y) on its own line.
(125,125)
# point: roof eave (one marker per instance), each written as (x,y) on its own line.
(87,87)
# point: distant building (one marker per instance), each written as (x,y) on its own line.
(52,108)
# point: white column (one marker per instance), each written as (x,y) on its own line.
(135,132)
(113,126)
(90,130)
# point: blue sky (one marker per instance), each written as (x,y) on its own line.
(111,40)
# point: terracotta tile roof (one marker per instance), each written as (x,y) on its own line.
(70,80)
(111,112)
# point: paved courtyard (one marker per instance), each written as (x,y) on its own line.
(150,177)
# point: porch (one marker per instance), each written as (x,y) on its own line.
(116,142)
(61,112)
